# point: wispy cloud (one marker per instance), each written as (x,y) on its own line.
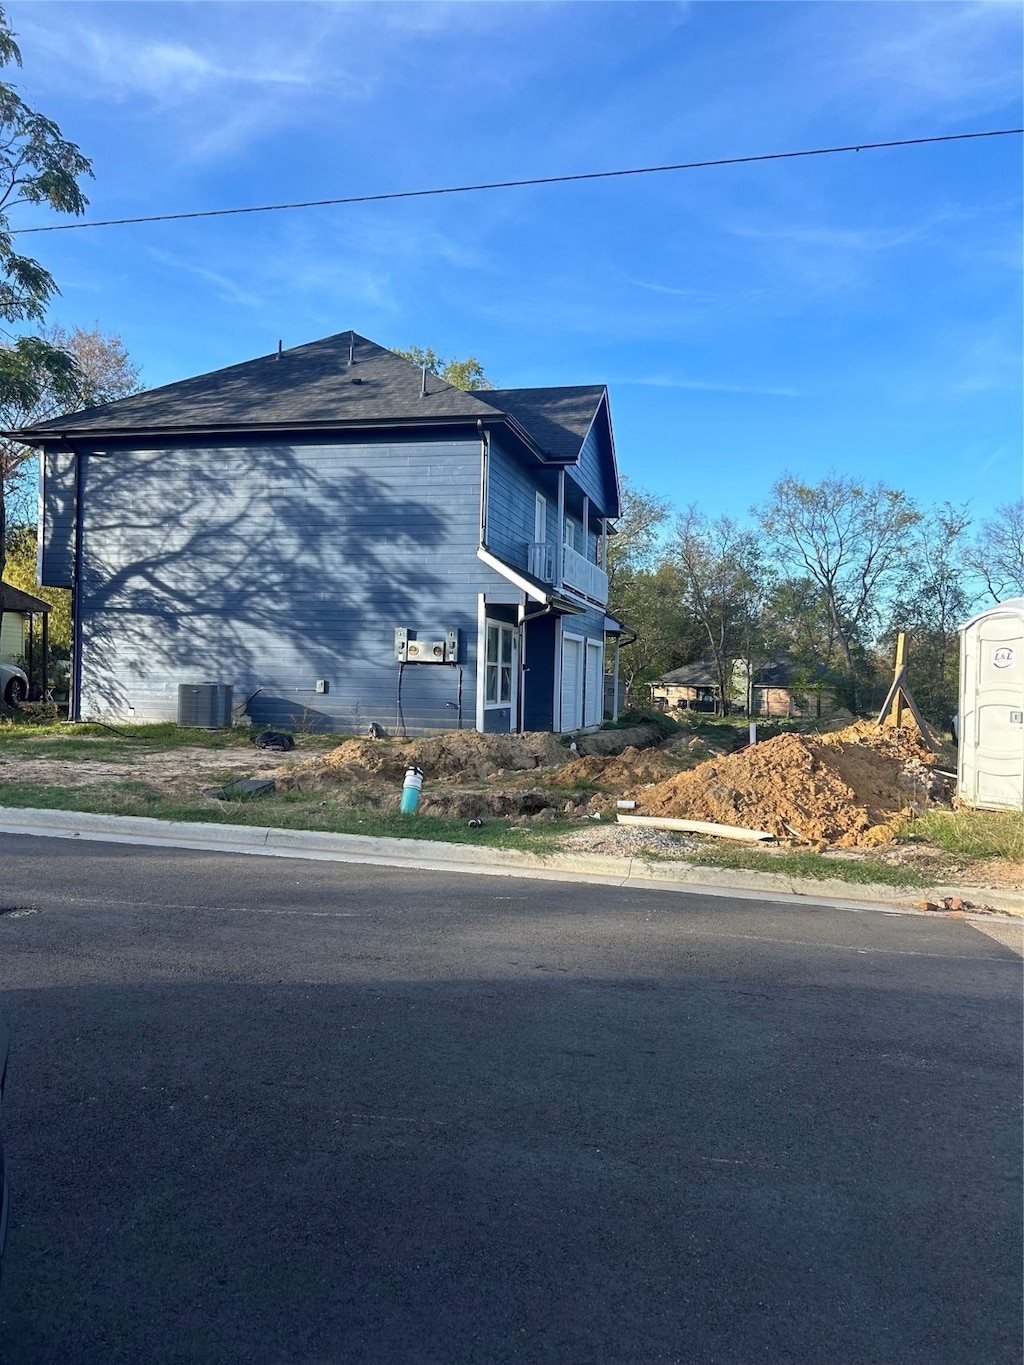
(904,59)
(224,288)
(692,295)
(713,386)
(122,64)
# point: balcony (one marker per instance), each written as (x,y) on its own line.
(579,574)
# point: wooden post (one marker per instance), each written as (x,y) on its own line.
(895,715)
(899,697)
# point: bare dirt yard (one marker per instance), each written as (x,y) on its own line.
(848,793)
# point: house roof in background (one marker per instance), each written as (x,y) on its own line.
(342,380)
(16,599)
(699,674)
(778,671)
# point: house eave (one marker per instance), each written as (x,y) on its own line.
(535,591)
(151,434)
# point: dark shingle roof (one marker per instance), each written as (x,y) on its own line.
(699,674)
(557,419)
(316,386)
(308,384)
(16,599)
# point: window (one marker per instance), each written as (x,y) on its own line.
(498,665)
(569,536)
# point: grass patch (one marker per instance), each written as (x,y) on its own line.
(286,810)
(629,720)
(805,864)
(972,834)
(113,744)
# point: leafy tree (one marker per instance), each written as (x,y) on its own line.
(997,555)
(38,166)
(21,572)
(461,374)
(634,547)
(102,372)
(663,634)
(933,600)
(724,586)
(851,541)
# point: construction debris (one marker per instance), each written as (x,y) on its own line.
(244,789)
(697,827)
(848,788)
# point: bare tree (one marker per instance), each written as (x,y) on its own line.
(722,587)
(103,372)
(850,540)
(933,600)
(997,555)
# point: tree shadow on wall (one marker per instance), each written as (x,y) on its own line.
(231,560)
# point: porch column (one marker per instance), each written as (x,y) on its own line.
(560,566)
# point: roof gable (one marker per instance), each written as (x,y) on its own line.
(341,381)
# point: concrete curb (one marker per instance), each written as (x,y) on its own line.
(434,856)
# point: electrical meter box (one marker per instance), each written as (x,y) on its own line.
(426,646)
(990,762)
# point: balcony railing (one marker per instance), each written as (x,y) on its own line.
(585,576)
(540,560)
(578,573)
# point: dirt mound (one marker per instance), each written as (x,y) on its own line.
(617,741)
(618,772)
(845,788)
(462,754)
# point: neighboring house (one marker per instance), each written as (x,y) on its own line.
(694,687)
(784,687)
(341,537)
(781,688)
(20,609)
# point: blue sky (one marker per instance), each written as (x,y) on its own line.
(860,313)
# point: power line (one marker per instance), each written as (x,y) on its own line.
(517,184)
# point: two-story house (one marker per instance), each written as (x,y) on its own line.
(341,537)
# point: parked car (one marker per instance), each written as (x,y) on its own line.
(13,684)
(5,1037)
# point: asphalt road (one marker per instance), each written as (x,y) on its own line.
(289,1113)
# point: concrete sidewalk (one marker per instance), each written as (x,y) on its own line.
(430,855)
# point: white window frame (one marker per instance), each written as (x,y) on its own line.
(569,533)
(499,631)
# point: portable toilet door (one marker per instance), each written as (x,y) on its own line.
(990,765)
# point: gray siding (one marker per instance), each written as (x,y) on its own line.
(592,472)
(57,543)
(512,488)
(271,567)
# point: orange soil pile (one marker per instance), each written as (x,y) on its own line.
(846,788)
(625,769)
(454,753)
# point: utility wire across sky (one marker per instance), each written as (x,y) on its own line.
(517,184)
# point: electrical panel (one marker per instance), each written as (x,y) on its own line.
(426,647)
